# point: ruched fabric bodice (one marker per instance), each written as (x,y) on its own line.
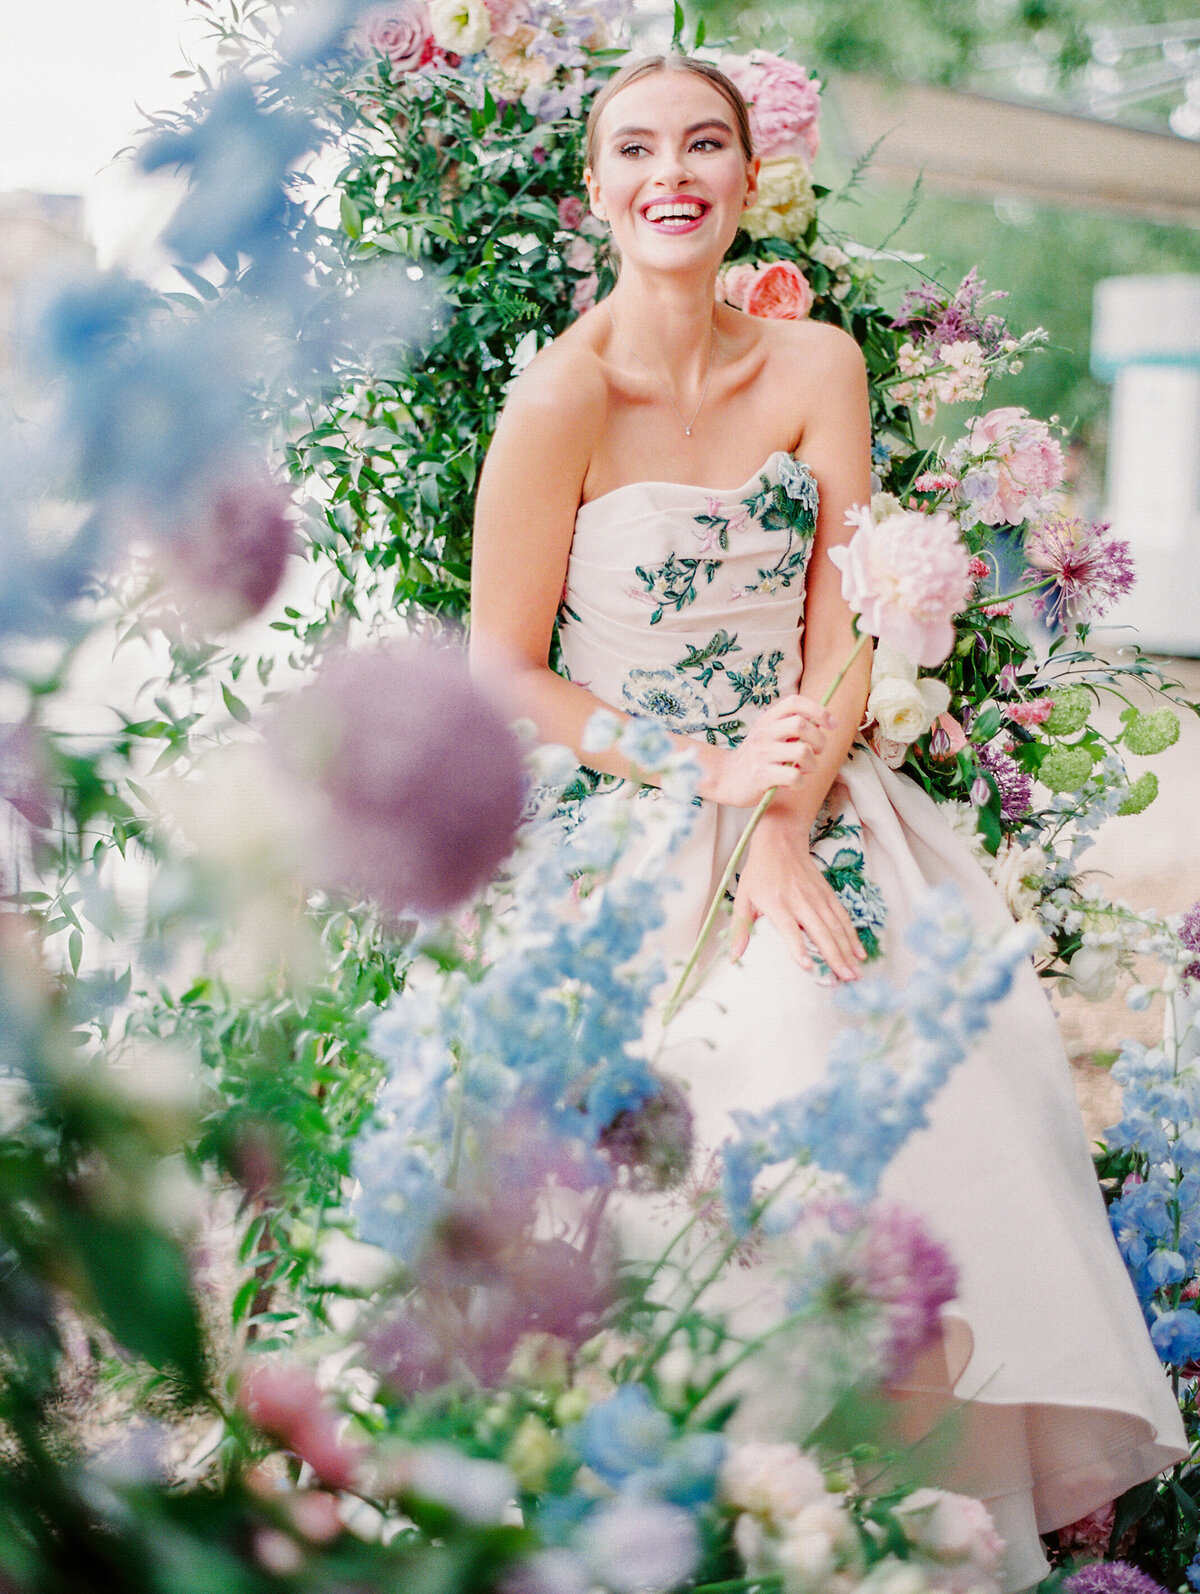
(686,604)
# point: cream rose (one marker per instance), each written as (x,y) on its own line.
(902,706)
(1093,973)
(460,26)
(786,202)
(1014,869)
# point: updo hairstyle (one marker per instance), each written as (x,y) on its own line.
(646,67)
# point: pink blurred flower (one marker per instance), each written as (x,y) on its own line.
(1020,470)
(284,1401)
(734,283)
(906,578)
(1090,568)
(654,1144)
(571,211)
(226,562)
(1034,713)
(1091,1534)
(779,292)
(399,31)
(940,481)
(951,1527)
(784,103)
(415,773)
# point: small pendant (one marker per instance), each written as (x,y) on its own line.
(687,431)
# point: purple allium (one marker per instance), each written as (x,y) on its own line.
(655,1142)
(227,562)
(935,317)
(1112,1577)
(880,1258)
(417,771)
(1014,785)
(1189,934)
(1090,569)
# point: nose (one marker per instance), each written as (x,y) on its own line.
(673,172)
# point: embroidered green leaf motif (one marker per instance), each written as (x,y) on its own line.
(758,683)
(707,660)
(673,583)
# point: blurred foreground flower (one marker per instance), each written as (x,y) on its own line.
(226,562)
(284,1401)
(415,776)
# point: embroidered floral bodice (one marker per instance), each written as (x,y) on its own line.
(685,604)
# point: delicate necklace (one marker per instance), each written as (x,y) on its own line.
(712,349)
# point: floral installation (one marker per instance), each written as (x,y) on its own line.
(409,1375)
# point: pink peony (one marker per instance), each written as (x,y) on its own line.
(284,1401)
(415,776)
(779,292)
(1020,470)
(906,578)
(784,103)
(401,32)
(951,1527)
(734,283)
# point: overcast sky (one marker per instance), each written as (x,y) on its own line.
(73,74)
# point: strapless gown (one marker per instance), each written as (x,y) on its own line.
(687,605)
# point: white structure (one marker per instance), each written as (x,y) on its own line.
(1146,341)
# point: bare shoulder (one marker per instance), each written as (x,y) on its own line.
(563,388)
(819,350)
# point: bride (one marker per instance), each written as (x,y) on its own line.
(605,504)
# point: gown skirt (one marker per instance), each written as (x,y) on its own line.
(686,605)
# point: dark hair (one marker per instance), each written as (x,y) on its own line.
(646,67)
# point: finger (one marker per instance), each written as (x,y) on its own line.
(832,934)
(803,707)
(791,935)
(744,915)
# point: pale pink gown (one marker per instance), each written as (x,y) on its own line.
(687,604)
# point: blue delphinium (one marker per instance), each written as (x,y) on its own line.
(631,1444)
(878,1084)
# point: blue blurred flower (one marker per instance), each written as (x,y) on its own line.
(1176,1336)
(622,1435)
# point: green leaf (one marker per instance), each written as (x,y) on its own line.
(201,284)
(75,949)
(235,705)
(677,31)
(351,216)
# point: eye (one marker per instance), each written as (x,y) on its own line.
(631,149)
(708,142)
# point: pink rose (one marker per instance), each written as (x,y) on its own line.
(571,211)
(784,103)
(951,1527)
(1022,471)
(780,292)
(734,283)
(401,32)
(906,578)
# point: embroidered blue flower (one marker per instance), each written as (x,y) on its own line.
(799,483)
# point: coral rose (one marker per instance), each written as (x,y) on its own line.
(734,283)
(779,292)
(784,103)
(400,32)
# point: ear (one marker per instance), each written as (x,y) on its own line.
(752,170)
(593,189)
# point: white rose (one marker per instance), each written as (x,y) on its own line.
(1012,871)
(904,710)
(773,1481)
(460,26)
(891,1576)
(1093,972)
(817,1542)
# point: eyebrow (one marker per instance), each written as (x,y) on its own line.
(696,127)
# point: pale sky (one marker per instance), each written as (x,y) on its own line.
(73,74)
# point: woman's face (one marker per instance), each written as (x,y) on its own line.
(670,176)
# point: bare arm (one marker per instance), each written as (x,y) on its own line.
(780,880)
(529,492)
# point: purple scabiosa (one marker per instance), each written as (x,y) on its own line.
(1189,934)
(1112,1577)
(654,1142)
(1014,785)
(226,562)
(1089,569)
(415,773)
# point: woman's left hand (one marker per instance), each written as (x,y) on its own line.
(782,881)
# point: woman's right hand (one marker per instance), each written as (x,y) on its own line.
(783,740)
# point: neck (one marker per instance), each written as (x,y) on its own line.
(668,321)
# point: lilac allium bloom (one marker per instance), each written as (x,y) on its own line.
(1090,569)
(1014,785)
(1189,934)
(910,1275)
(420,775)
(227,559)
(1112,1577)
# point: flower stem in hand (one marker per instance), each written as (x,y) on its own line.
(739,852)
